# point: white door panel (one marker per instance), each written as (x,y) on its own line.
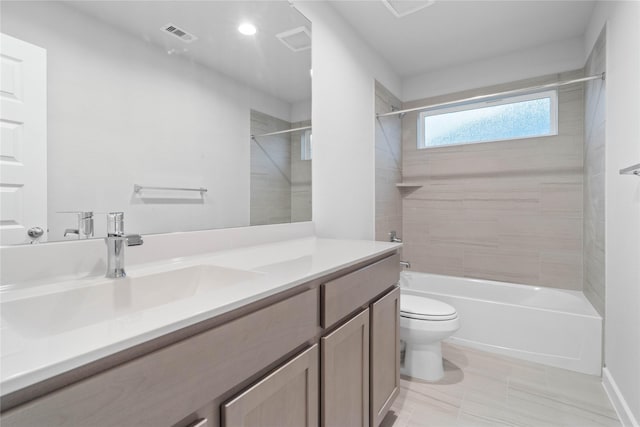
(23,139)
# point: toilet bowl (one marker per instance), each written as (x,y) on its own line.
(424,323)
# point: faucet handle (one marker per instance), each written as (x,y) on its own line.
(68,231)
(134,239)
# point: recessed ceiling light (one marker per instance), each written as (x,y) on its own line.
(247,28)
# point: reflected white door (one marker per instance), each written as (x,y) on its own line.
(23,140)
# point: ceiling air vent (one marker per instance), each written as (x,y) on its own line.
(297,39)
(402,8)
(183,35)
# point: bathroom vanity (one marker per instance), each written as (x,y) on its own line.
(311,339)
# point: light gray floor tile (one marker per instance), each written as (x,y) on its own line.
(483,389)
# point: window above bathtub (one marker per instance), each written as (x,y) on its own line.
(305,145)
(508,118)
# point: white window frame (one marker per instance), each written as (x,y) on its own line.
(306,151)
(552,94)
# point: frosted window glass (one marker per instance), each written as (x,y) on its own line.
(306,145)
(515,120)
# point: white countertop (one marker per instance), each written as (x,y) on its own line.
(28,358)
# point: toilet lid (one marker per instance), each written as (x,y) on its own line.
(418,307)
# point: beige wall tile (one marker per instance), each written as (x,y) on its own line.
(594,189)
(499,210)
(514,266)
(388,154)
(561,270)
(437,258)
(561,199)
(540,233)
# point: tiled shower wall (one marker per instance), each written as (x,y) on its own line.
(508,211)
(300,177)
(388,166)
(280,179)
(270,171)
(594,156)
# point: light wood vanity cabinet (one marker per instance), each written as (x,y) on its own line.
(361,358)
(348,293)
(287,397)
(164,387)
(324,353)
(345,374)
(385,355)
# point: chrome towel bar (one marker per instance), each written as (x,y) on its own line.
(631,170)
(138,188)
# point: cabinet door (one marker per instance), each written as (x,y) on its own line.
(345,374)
(288,397)
(385,354)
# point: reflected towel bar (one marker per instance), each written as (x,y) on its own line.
(281,132)
(631,170)
(138,188)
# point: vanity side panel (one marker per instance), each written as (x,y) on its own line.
(167,385)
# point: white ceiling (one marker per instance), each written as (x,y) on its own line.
(261,61)
(452,32)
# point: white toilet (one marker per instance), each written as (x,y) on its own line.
(424,322)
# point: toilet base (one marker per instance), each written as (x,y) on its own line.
(423,361)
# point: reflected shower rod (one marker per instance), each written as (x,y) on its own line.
(281,132)
(493,96)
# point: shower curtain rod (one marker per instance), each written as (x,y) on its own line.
(493,95)
(281,132)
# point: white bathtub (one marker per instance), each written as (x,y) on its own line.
(550,326)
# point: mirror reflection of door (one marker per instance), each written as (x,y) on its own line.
(23,140)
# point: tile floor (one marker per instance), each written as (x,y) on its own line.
(483,389)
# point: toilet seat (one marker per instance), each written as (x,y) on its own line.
(421,308)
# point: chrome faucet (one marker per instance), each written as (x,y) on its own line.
(116,241)
(393,237)
(85,225)
(405,264)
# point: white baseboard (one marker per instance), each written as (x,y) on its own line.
(619,404)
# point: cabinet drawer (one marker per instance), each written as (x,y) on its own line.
(163,387)
(346,294)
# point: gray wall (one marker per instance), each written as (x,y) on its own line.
(388,166)
(509,211)
(594,166)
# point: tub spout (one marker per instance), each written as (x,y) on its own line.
(405,264)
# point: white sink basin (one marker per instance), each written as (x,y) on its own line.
(58,312)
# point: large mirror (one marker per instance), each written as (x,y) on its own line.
(169,111)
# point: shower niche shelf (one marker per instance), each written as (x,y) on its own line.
(408,185)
